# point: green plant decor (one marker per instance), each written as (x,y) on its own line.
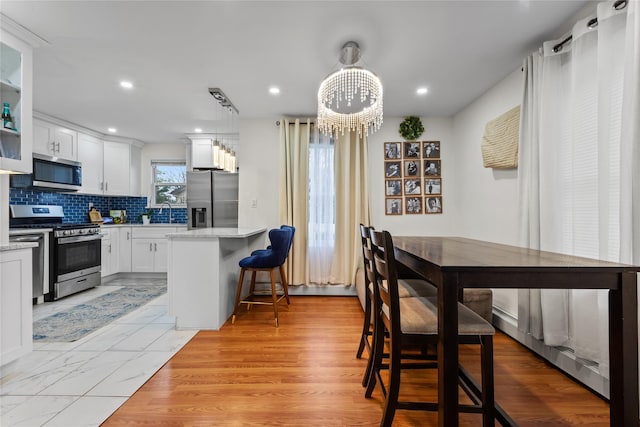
(411,128)
(146,212)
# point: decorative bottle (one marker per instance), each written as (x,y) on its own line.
(7,120)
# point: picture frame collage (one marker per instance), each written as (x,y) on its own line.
(412,177)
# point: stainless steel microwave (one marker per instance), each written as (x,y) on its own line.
(51,173)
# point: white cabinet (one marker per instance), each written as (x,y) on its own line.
(125,249)
(54,140)
(16,90)
(135,174)
(90,155)
(105,166)
(110,253)
(16,323)
(117,162)
(149,249)
(204,152)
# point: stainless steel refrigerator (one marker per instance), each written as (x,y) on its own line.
(212,199)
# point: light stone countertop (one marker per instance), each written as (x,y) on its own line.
(14,246)
(21,231)
(174,224)
(216,233)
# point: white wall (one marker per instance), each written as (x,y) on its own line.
(486,199)
(477,202)
(258,157)
(151,152)
(436,129)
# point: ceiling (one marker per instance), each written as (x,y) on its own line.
(173,51)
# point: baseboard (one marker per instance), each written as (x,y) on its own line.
(111,277)
(581,370)
(323,290)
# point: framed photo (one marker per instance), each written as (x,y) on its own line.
(432,186)
(411,149)
(412,187)
(413,205)
(392,150)
(433,205)
(431,149)
(393,187)
(393,206)
(392,170)
(432,168)
(412,168)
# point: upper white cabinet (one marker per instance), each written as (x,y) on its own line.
(15,90)
(106,166)
(54,140)
(90,155)
(117,164)
(135,173)
(203,153)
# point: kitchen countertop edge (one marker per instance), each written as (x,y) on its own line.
(215,233)
(144,225)
(14,246)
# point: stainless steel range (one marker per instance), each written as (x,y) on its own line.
(75,249)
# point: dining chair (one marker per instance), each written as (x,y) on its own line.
(416,318)
(268,260)
(406,288)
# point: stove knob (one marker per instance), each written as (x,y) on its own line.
(65,232)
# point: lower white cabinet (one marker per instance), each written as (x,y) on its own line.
(110,251)
(125,249)
(135,249)
(149,249)
(16,323)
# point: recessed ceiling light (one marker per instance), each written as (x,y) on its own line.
(112,130)
(274,90)
(125,84)
(422,90)
(197,130)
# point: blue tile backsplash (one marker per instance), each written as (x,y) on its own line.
(76,206)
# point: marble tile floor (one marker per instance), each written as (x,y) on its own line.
(83,382)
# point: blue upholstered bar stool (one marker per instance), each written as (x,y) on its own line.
(270,259)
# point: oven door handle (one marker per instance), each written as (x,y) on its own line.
(75,239)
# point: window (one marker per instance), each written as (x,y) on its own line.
(169,182)
(322,207)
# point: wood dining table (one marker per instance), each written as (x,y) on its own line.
(454,263)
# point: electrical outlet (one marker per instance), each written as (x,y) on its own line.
(254,203)
(90,205)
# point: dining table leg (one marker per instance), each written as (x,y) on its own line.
(448,350)
(623,352)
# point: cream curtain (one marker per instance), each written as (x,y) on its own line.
(351,201)
(352,205)
(578,185)
(294,181)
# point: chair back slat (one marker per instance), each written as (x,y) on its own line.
(367,256)
(386,276)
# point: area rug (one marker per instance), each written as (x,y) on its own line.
(72,324)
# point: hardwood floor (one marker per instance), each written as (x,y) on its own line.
(305,373)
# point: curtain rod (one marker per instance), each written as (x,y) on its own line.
(619,5)
(313,122)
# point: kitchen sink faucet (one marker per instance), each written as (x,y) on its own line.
(170,217)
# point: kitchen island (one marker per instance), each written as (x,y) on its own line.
(203,273)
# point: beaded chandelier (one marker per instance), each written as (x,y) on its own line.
(350,98)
